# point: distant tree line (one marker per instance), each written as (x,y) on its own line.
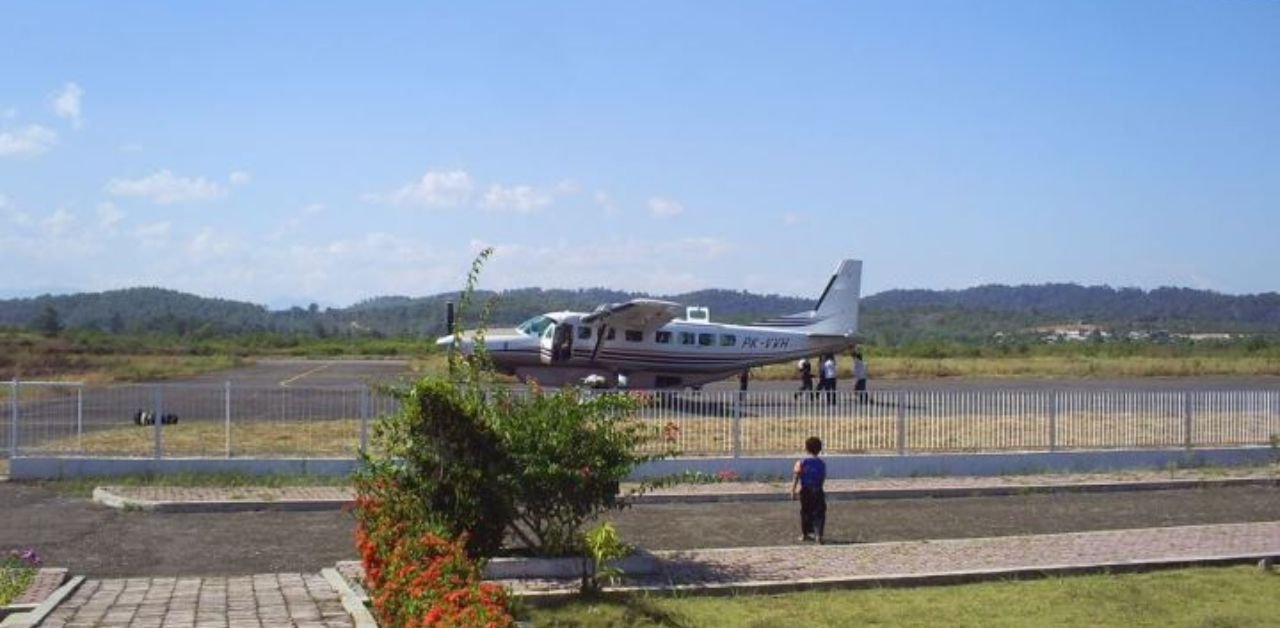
(895,317)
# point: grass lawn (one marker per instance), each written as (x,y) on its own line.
(1235,596)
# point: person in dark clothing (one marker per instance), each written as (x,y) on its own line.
(806,380)
(809,478)
(860,377)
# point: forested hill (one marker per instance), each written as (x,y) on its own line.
(892,316)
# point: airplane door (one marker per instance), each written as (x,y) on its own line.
(562,346)
(557,344)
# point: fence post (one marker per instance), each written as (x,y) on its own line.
(13,418)
(364,419)
(1186,419)
(1053,420)
(226,405)
(157,420)
(902,424)
(80,418)
(737,425)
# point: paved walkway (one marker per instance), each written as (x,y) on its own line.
(929,562)
(177,498)
(260,601)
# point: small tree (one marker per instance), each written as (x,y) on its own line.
(572,452)
(48,322)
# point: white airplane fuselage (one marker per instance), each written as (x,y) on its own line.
(644,342)
(678,354)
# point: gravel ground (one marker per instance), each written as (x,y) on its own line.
(97,541)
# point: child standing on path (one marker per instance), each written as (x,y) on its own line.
(810,474)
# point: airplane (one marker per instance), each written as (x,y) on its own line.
(646,344)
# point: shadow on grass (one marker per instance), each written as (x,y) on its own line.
(633,610)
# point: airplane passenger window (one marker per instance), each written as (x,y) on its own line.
(584,333)
(662,337)
(686,338)
(706,340)
(633,335)
(728,340)
(609,335)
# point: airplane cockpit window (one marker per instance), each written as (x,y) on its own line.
(584,333)
(662,337)
(535,326)
(686,337)
(706,340)
(728,340)
(633,335)
(549,330)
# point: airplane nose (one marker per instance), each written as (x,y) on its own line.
(444,341)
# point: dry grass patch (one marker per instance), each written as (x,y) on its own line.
(316,438)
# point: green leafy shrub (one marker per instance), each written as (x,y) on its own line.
(572,450)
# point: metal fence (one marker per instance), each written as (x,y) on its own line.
(52,418)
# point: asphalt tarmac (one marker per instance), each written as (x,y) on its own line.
(97,541)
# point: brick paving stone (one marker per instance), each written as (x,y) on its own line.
(258,601)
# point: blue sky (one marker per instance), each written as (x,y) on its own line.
(284,153)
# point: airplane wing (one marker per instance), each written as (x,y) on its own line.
(639,313)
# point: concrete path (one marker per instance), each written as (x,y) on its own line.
(216,499)
(806,566)
(259,601)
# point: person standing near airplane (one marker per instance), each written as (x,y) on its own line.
(806,379)
(828,381)
(859,377)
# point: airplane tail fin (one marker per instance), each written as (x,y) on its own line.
(836,313)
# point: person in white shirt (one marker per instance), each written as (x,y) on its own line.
(828,380)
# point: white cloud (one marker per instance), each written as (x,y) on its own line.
(60,223)
(705,247)
(12,214)
(239,177)
(436,189)
(155,233)
(131,147)
(164,188)
(664,207)
(208,243)
(293,222)
(109,215)
(66,104)
(790,219)
(605,202)
(655,266)
(519,198)
(30,140)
